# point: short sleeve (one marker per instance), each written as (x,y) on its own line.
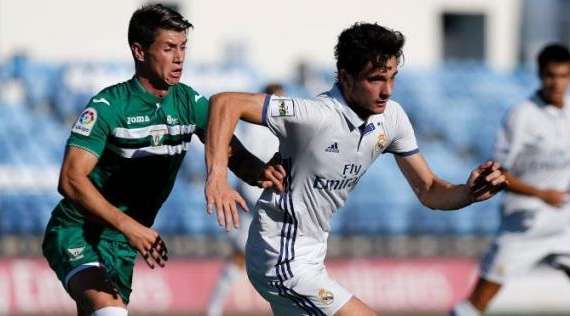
(510,137)
(292,116)
(404,140)
(92,127)
(200,108)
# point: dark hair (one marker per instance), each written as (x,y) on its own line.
(553,53)
(272,88)
(366,42)
(147,20)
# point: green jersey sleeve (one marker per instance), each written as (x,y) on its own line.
(93,126)
(200,107)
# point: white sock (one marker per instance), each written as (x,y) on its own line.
(464,308)
(218,299)
(110,311)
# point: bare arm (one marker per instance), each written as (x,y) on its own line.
(225,111)
(436,193)
(553,197)
(75,185)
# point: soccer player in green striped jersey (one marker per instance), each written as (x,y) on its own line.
(122,158)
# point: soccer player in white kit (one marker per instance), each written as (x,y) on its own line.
(534,146)
(327,144)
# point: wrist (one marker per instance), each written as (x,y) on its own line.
(470,196)
(217,172)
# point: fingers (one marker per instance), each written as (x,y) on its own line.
(156,253)
(273,178)
(488,180)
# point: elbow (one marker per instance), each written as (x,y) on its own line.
(218,100)
(66,186)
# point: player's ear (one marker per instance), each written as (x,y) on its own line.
(138,52)
(345,78)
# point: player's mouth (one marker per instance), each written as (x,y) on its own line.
(176,73)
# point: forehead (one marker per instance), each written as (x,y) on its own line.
(389,68)
(169,36)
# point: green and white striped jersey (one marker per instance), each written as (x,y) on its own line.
(140,140)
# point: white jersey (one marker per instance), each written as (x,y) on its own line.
(326,149)
(263,144)
(534,145)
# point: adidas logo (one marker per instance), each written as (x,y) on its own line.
(333,148)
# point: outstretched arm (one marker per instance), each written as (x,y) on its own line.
(435,193)
(225,111)
(555,198)
(75,185)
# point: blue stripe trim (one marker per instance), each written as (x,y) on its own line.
(288,231)
(265,109)
(405,153)
(301,301)
(307,300)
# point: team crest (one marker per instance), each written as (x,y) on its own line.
(85,122)
(381,139)
(326,297)
(285,107)
(158,136)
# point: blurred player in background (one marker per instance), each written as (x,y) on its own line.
(263,144)
(122,158)
(534,146)
(326,144)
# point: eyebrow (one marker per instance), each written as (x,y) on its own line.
(169,43)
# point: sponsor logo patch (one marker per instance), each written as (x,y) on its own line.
(138,119)
(85,122)
(285,107)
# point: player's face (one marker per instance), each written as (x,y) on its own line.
(370,90)
(555,81)
(164,58)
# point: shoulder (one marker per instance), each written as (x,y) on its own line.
(111,99)
(394,112)
(522,110)
(187,92)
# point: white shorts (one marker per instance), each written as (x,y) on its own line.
(514,255)
(312,292)
(238,237)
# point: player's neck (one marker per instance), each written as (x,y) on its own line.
(360,111)
(559,103)
(153,86)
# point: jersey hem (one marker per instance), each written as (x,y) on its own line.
(84,148)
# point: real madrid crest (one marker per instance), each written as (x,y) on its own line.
(326,297)
(381,139)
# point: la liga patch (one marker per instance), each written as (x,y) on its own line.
(283,107)
(85,122)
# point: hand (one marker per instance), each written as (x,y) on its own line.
(147,242)
(221,197)
(273,174)
(553,197)
(485,181)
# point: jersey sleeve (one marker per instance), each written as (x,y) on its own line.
(200,108)
(404,140)
(510,138)
(292,117)
(93,126)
